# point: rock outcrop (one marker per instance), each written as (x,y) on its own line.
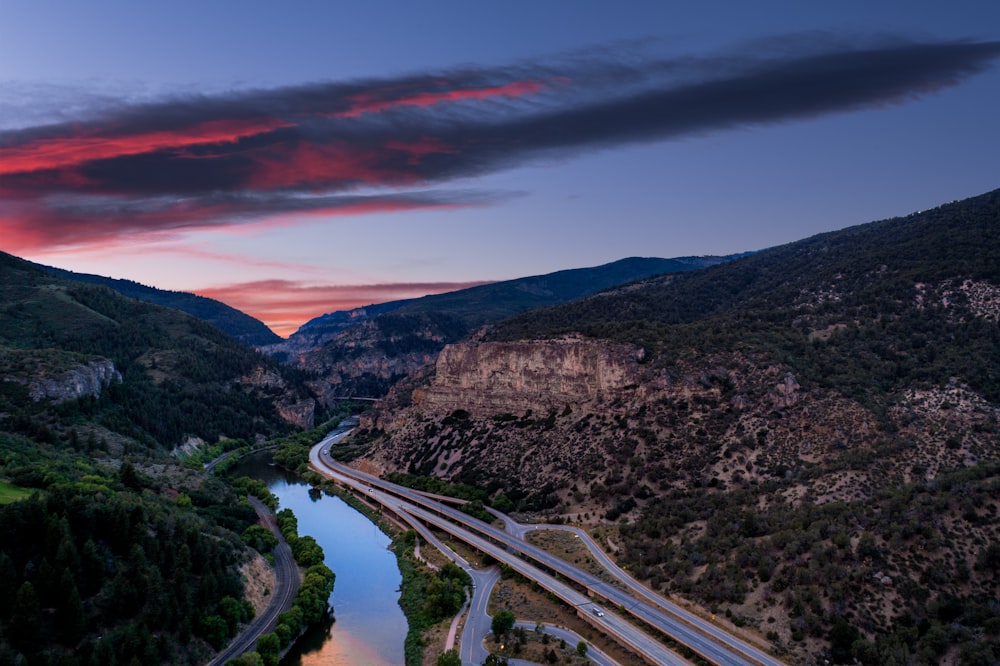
(76,382)
(487,378)
(297,410)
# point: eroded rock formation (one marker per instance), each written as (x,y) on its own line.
(81,380)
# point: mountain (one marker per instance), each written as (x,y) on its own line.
(366,350)
(159,375)
(239,325)
(113,549)
(803,440)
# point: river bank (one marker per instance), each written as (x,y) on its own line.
(369,627)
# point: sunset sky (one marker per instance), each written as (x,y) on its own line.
(298,158)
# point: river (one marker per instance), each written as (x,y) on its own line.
(370,627)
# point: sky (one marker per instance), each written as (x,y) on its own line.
(300,158)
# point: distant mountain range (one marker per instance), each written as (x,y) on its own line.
(237,324)
(365,350)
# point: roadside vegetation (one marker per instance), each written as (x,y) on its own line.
(311,603)
(293,450)
(427,597)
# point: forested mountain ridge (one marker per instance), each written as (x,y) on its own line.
(239,325)
(367,350)
(806,440)
(111,549)
(173,366)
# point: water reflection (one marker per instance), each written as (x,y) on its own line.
(370,627)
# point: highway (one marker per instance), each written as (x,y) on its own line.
(478,624)
(708,641)
(519,530)
(572,638)
(286,574)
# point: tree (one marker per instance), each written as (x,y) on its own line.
(449,658)
(268,648)
(502,623)
(581,649)
(26,618)
(69,612)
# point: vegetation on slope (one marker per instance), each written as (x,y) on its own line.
(239,325)
(108,565)
(180,376)
(110,550)
(812,449)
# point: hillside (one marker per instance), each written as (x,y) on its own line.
(157,375)
(239,325)
(367,350)
(112,548)
(803,440)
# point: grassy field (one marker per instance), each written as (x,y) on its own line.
(9,493)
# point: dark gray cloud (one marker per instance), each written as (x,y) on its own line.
(227,158)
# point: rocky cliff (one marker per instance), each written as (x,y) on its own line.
(295,409)
(366,359)
(707,467)
(489,378)
(75,382)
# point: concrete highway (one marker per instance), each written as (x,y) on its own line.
(478,624)
(704,638)
(520,530)
(623,630)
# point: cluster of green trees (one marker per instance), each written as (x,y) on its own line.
(427,596)
(293,450)
(105,570)
(304,548)
(476,498)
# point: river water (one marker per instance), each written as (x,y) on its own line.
(369,627)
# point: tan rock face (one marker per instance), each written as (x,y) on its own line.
(496,377)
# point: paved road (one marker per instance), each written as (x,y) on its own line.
(572,638)
(286,574)
(706,639)
(521,529)
(477,626)
(624,630)
(701,636)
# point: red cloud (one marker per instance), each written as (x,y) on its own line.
(101,143)
(31,228)
(375,102)
(344,148)
(284,305)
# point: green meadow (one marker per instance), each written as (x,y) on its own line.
(10,493)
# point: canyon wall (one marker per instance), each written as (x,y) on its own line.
(83,379)
(486,378)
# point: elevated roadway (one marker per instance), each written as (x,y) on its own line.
(707,640)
